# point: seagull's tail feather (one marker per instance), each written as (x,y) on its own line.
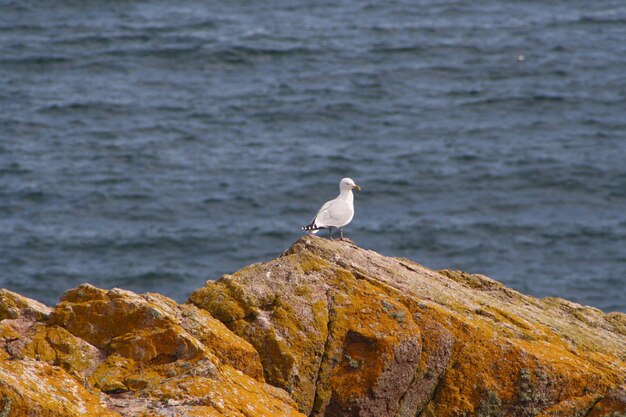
(312,227)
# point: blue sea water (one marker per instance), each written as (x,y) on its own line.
(152,145)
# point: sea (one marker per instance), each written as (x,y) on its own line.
(154,145)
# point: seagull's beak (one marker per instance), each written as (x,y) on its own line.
(356,187)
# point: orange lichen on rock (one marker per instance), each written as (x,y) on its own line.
(150,328)
(134,355)
(333,327)
(290,328)
(350,332)
(35,388)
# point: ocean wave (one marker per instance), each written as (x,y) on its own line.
(34,60)
(238,54)
(13,168)
(523,100)
(86,106)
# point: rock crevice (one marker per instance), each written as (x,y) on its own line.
(317,399)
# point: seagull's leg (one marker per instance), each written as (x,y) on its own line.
(331,232)
(341,232)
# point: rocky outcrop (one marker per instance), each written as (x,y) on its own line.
(116,353)
(327,329)
(349,332)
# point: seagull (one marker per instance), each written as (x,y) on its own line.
(335,213)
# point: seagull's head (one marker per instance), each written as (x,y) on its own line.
(348,184)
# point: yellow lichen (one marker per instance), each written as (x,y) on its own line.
(303,291)
(310,263)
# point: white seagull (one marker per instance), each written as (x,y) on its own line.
(336,213)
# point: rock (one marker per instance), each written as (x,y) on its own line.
(35,388)
(613,404)
(150,328)
(114,352)
(29,383)
(327,328)
(349,332)
(14,306)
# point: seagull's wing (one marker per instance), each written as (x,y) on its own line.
(333,213)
